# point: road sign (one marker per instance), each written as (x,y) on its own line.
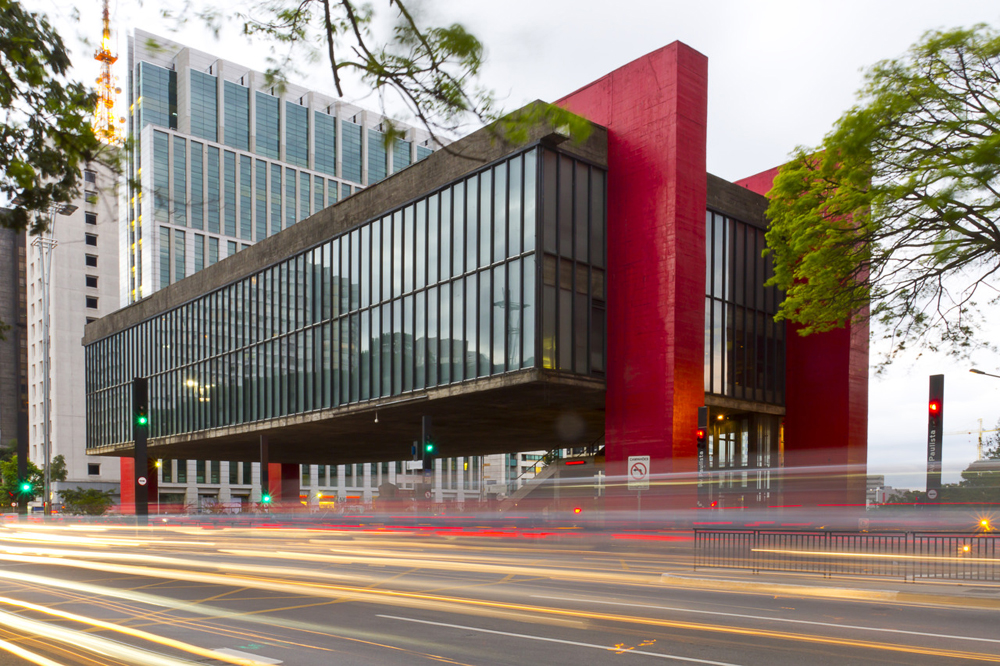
(638,472)
(141,480)
(932,494)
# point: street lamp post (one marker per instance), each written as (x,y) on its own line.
(980,372)
(46,244)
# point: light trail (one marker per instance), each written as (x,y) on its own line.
(465,606)
(25,654)
(134,633)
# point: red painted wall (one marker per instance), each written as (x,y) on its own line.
(826,403)
(283,482)
(127,467)
(655,109)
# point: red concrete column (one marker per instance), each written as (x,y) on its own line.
(283,482)
(826,404)
(655,109)
(127,467)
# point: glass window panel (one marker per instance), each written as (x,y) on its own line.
(500,212)
(387,335)
(365,259)
(197,186)
(433,336)
(515,313)
(530,200)
(214,200)
(444,333)
(319,190)
(365,356)
(471,339)
(458,229)
(161,177)
(180,203)
(325,139)
(457,331)
(581,213)
(386,258)
(246,210)
(275,198)
(420,340)
(290,215)
(204,105)
(445,253)
(296,134)
(472,223)
(260,200)
(501,309)
(376,264)
(351,150)
(305,197)
(236,102)
(180,253)
(485,218)
(397,254)
(267,138)
(377,157)
(355,286)
(407,343)
(408,254)
(420,263)
(598,226)
(397,346)
(376,352)
(581,330)
(229,212)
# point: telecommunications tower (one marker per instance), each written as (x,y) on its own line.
(106,126)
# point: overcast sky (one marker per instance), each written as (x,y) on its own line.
(780,73)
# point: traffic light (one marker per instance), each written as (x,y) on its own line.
(700,435)
(140,402)
(428,447)
(265,498)
(26,487)
(934,407)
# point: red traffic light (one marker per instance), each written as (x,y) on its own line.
(577,509)
(700,434)
(934,407)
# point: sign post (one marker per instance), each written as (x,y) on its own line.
(638,480)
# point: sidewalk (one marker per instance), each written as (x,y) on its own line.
(967,593)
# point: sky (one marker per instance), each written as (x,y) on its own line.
(780,73)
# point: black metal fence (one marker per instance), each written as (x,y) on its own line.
(905,555)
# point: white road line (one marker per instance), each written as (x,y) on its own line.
(772,619)
(559,640)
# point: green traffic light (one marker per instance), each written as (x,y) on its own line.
(429,447)
(142,420)
(25,487)
(265,498)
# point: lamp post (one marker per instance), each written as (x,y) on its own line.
(980,372)
(46,244)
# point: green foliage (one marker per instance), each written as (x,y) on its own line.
(45,132)
(899,208)
(57,471)
(89,502)
(10,490)
(431,70)
(991,444)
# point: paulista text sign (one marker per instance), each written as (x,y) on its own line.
(638,472)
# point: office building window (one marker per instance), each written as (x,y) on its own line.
(246,186)
(319,190)
(296,134)
(213,251)
(231,248)
(290,216)
(179,204)
(92,281)
(197,186)
(305,181)
(199,252)
(90,176)
(275,198)
(400,155)
(377,157)
(90,218)
(268,143)
(180,267)
(161,177)
(164,256)
(182,471)
(91,260)
(260,200)
(229,171)
(325,139)
(90,239)
(204,106)
(157,96)
(351,151)
(236,104)
(167,471)
(93,469)
(423,152)
(92,302)
(213,200)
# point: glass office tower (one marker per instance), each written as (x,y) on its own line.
(223,160)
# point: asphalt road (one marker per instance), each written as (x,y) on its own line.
(188,594)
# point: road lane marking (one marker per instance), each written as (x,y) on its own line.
(772,619)
(616,649)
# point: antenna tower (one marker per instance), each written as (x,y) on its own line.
(106,126)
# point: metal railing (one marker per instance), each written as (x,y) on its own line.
(906,555)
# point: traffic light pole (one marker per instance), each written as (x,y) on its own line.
(140,424)
(935,420)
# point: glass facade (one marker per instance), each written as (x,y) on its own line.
(214,190)
(161,177)
(197,186)
(325,129)
(423,151)
(377,157)
(260,199)
(351,148)
(180,182)
(229,177)
(400,155)
(246,188)
(204,106)
(157,97)
(296,134)
(440,290)
(268,136)
(744,346)
(236,104)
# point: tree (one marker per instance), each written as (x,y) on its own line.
(45,132)
(991,445)
(429,70)
(899,207)
(10,484)
(89,502)
(57,469)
